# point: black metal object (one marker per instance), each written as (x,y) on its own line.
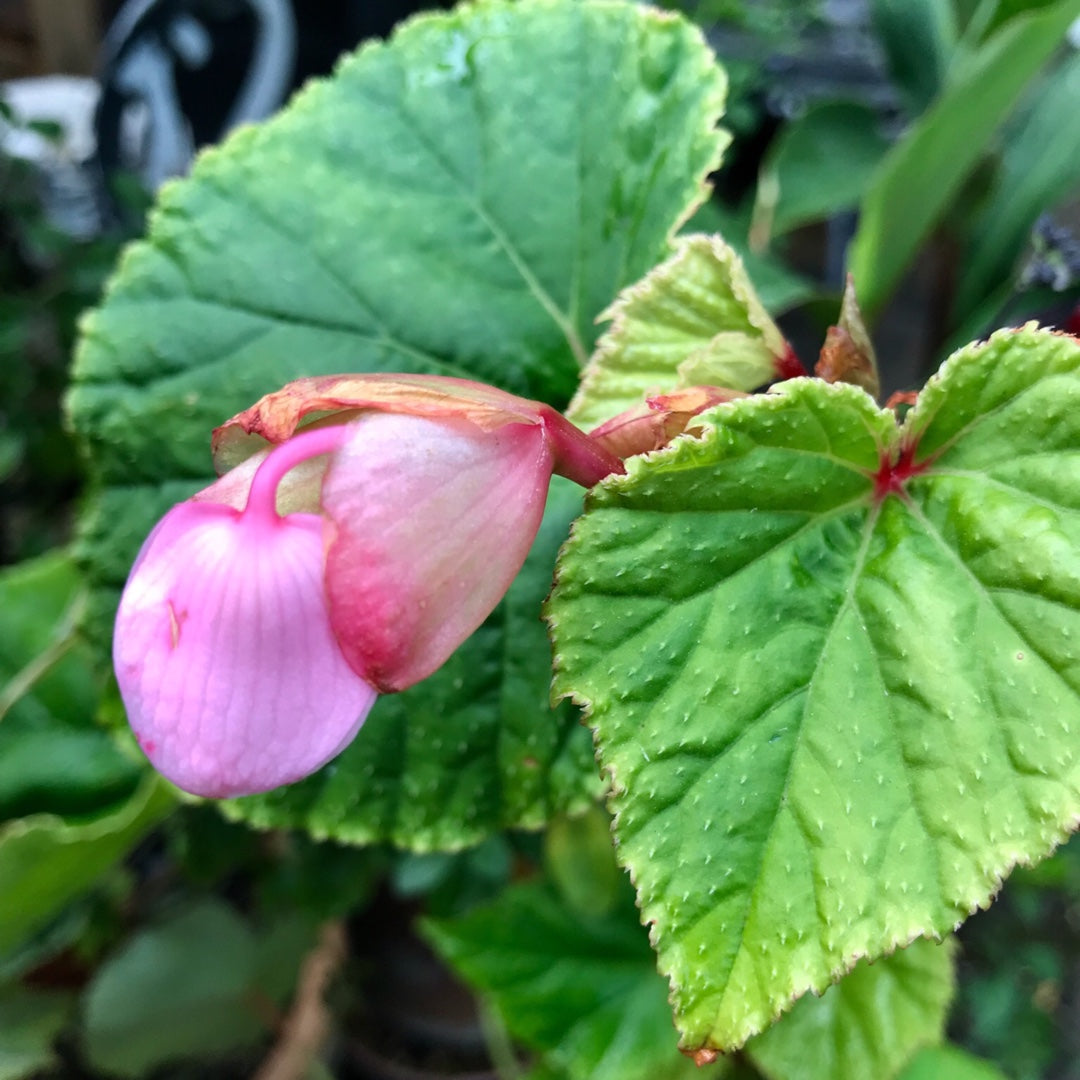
(177,75)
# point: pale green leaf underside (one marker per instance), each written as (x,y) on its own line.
(869,1024)
(463,199)
(693,320)
(831,726)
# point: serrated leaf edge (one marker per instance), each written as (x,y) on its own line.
(622,311)
(595,499)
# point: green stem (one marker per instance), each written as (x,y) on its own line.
(24,680)
(499,1047)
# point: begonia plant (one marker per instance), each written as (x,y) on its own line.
(823,649)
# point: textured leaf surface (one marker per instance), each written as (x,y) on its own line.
(919,177)
(694,319)
(868,1024)
(778,286)
(581,988)
(475,748)
(47,861)
(836,705)
(463,200)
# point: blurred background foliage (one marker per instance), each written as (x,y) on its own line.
(932,148)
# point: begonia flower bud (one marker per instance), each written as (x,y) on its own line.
(344,558)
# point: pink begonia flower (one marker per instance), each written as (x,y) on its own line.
(343,559)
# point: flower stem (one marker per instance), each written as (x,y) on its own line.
(262,497)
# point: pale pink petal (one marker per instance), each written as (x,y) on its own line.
(231,675)
(432,520)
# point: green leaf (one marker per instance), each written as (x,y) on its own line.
(12,448)
(778,286)
(31,1022)
(918,37)
(473,749)
(919,178)
(53,759)
(187,988)
(832,670)
(1002,11)
(34,598)
(47,861)
(578,987)
(693,320)
(463,199)
(578,859)
(868,1024)
(1039,167)
(949,1063)
(819,165)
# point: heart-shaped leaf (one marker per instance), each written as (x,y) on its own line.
(832,668)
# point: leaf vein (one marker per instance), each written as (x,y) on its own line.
(498,234)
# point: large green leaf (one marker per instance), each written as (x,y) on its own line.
(918,179)
(47,861)
(868,1025)
(693,320)
(53,758)
(831,667)
(579,987)
(463,199)
(473,749)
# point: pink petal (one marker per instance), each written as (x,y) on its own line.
(433,520)
(227,664)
